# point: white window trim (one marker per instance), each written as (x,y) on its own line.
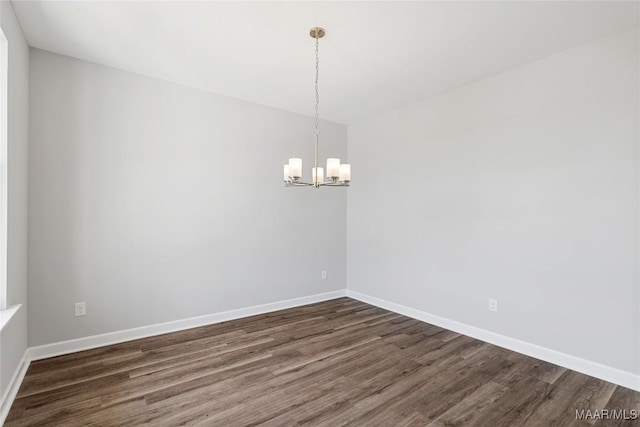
(6,315)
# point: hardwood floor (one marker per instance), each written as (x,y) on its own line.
(340,362)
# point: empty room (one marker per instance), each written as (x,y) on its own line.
(330,213)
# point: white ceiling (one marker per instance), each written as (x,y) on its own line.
(375,56)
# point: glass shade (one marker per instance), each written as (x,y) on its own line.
(318,177)
(333,168)
(345,172)
(295,167)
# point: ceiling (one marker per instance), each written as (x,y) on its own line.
(376,55)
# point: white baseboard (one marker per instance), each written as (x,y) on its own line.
(14,386)
(86,343)
(607,373)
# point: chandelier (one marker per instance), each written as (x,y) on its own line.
(338,175)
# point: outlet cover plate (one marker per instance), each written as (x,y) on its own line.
(81,309)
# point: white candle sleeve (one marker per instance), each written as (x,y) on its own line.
(333,168)
(318,177)
(295,167)
(345,172)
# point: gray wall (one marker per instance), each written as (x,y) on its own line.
(13,338)
(522,187)
(154,202)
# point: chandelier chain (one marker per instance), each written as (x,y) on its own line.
(317,131)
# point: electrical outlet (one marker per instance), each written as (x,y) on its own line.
(493,304)
(324,275)
(81,309)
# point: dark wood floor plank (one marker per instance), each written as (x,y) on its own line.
(515,407)
(335,363)
(624,401)
(570,392)
(59,415)
(471,408)
(52,400)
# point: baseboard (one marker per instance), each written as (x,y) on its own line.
(14,386)
(86,343)
(607,373)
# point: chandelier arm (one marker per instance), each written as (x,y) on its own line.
(298,184)
(335,184)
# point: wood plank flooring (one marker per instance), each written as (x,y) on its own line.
(335,363)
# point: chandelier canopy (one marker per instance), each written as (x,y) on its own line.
(338,174)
